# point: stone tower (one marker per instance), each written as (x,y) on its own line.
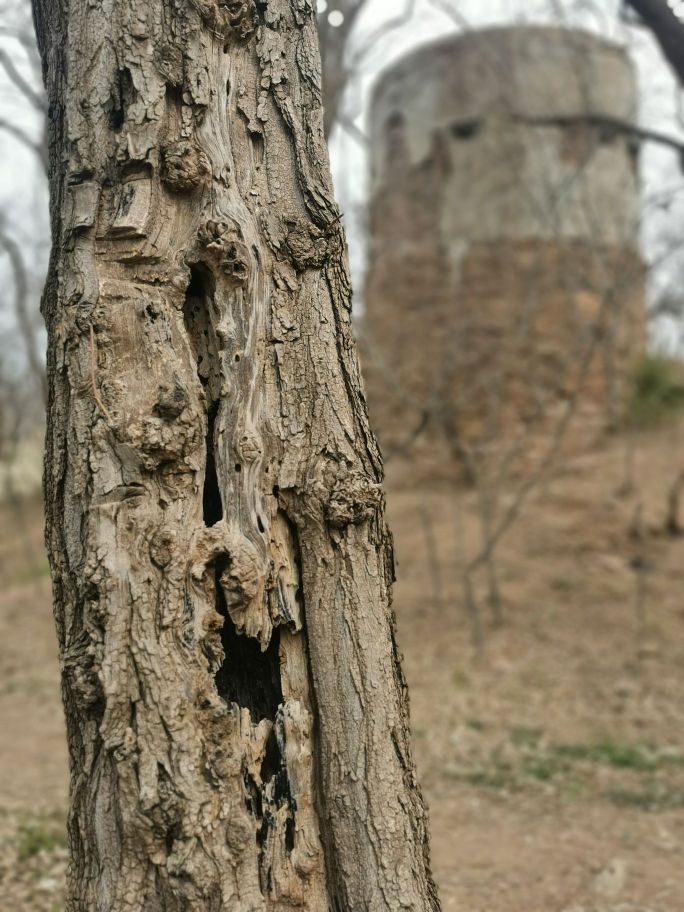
(505,278)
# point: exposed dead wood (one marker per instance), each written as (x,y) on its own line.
(235,705)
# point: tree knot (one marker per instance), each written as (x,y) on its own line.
(229,17)
(224,243)
(184,166)
(354,499)
(171,401)
(162,547)
(307,245)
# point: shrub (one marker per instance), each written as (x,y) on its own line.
(656,390)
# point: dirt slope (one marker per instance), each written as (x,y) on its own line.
(553,766)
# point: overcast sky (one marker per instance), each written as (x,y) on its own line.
(23,197)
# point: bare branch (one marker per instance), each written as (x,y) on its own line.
(37,148)
(334,41)
(26,39)
(36,98)
(390,25)
(21,308)
(347,124)
(667,28)
(453,13)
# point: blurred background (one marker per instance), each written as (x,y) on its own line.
(511,176)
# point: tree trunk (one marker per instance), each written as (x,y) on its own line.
(235,706)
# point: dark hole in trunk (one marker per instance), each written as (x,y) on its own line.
(257,141)
(289,834)
(198,314)
(122,96)
(248,676)
(467,130)
(212,506)
(174,96)
(272,760)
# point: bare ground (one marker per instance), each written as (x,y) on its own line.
(553,765)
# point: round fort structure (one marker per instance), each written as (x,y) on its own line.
(505,278)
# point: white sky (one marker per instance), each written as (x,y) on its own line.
(23,195)
(23,186)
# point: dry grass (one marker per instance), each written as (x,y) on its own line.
(553,766)
(559,755)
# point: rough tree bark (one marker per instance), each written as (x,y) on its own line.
(235,706)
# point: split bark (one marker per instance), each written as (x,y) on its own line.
(236,711)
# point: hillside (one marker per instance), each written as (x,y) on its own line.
(553,765)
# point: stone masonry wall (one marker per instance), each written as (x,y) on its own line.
(505,278)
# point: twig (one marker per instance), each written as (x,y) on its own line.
(433,559)
(34,97)
(22,308)
(672,524)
